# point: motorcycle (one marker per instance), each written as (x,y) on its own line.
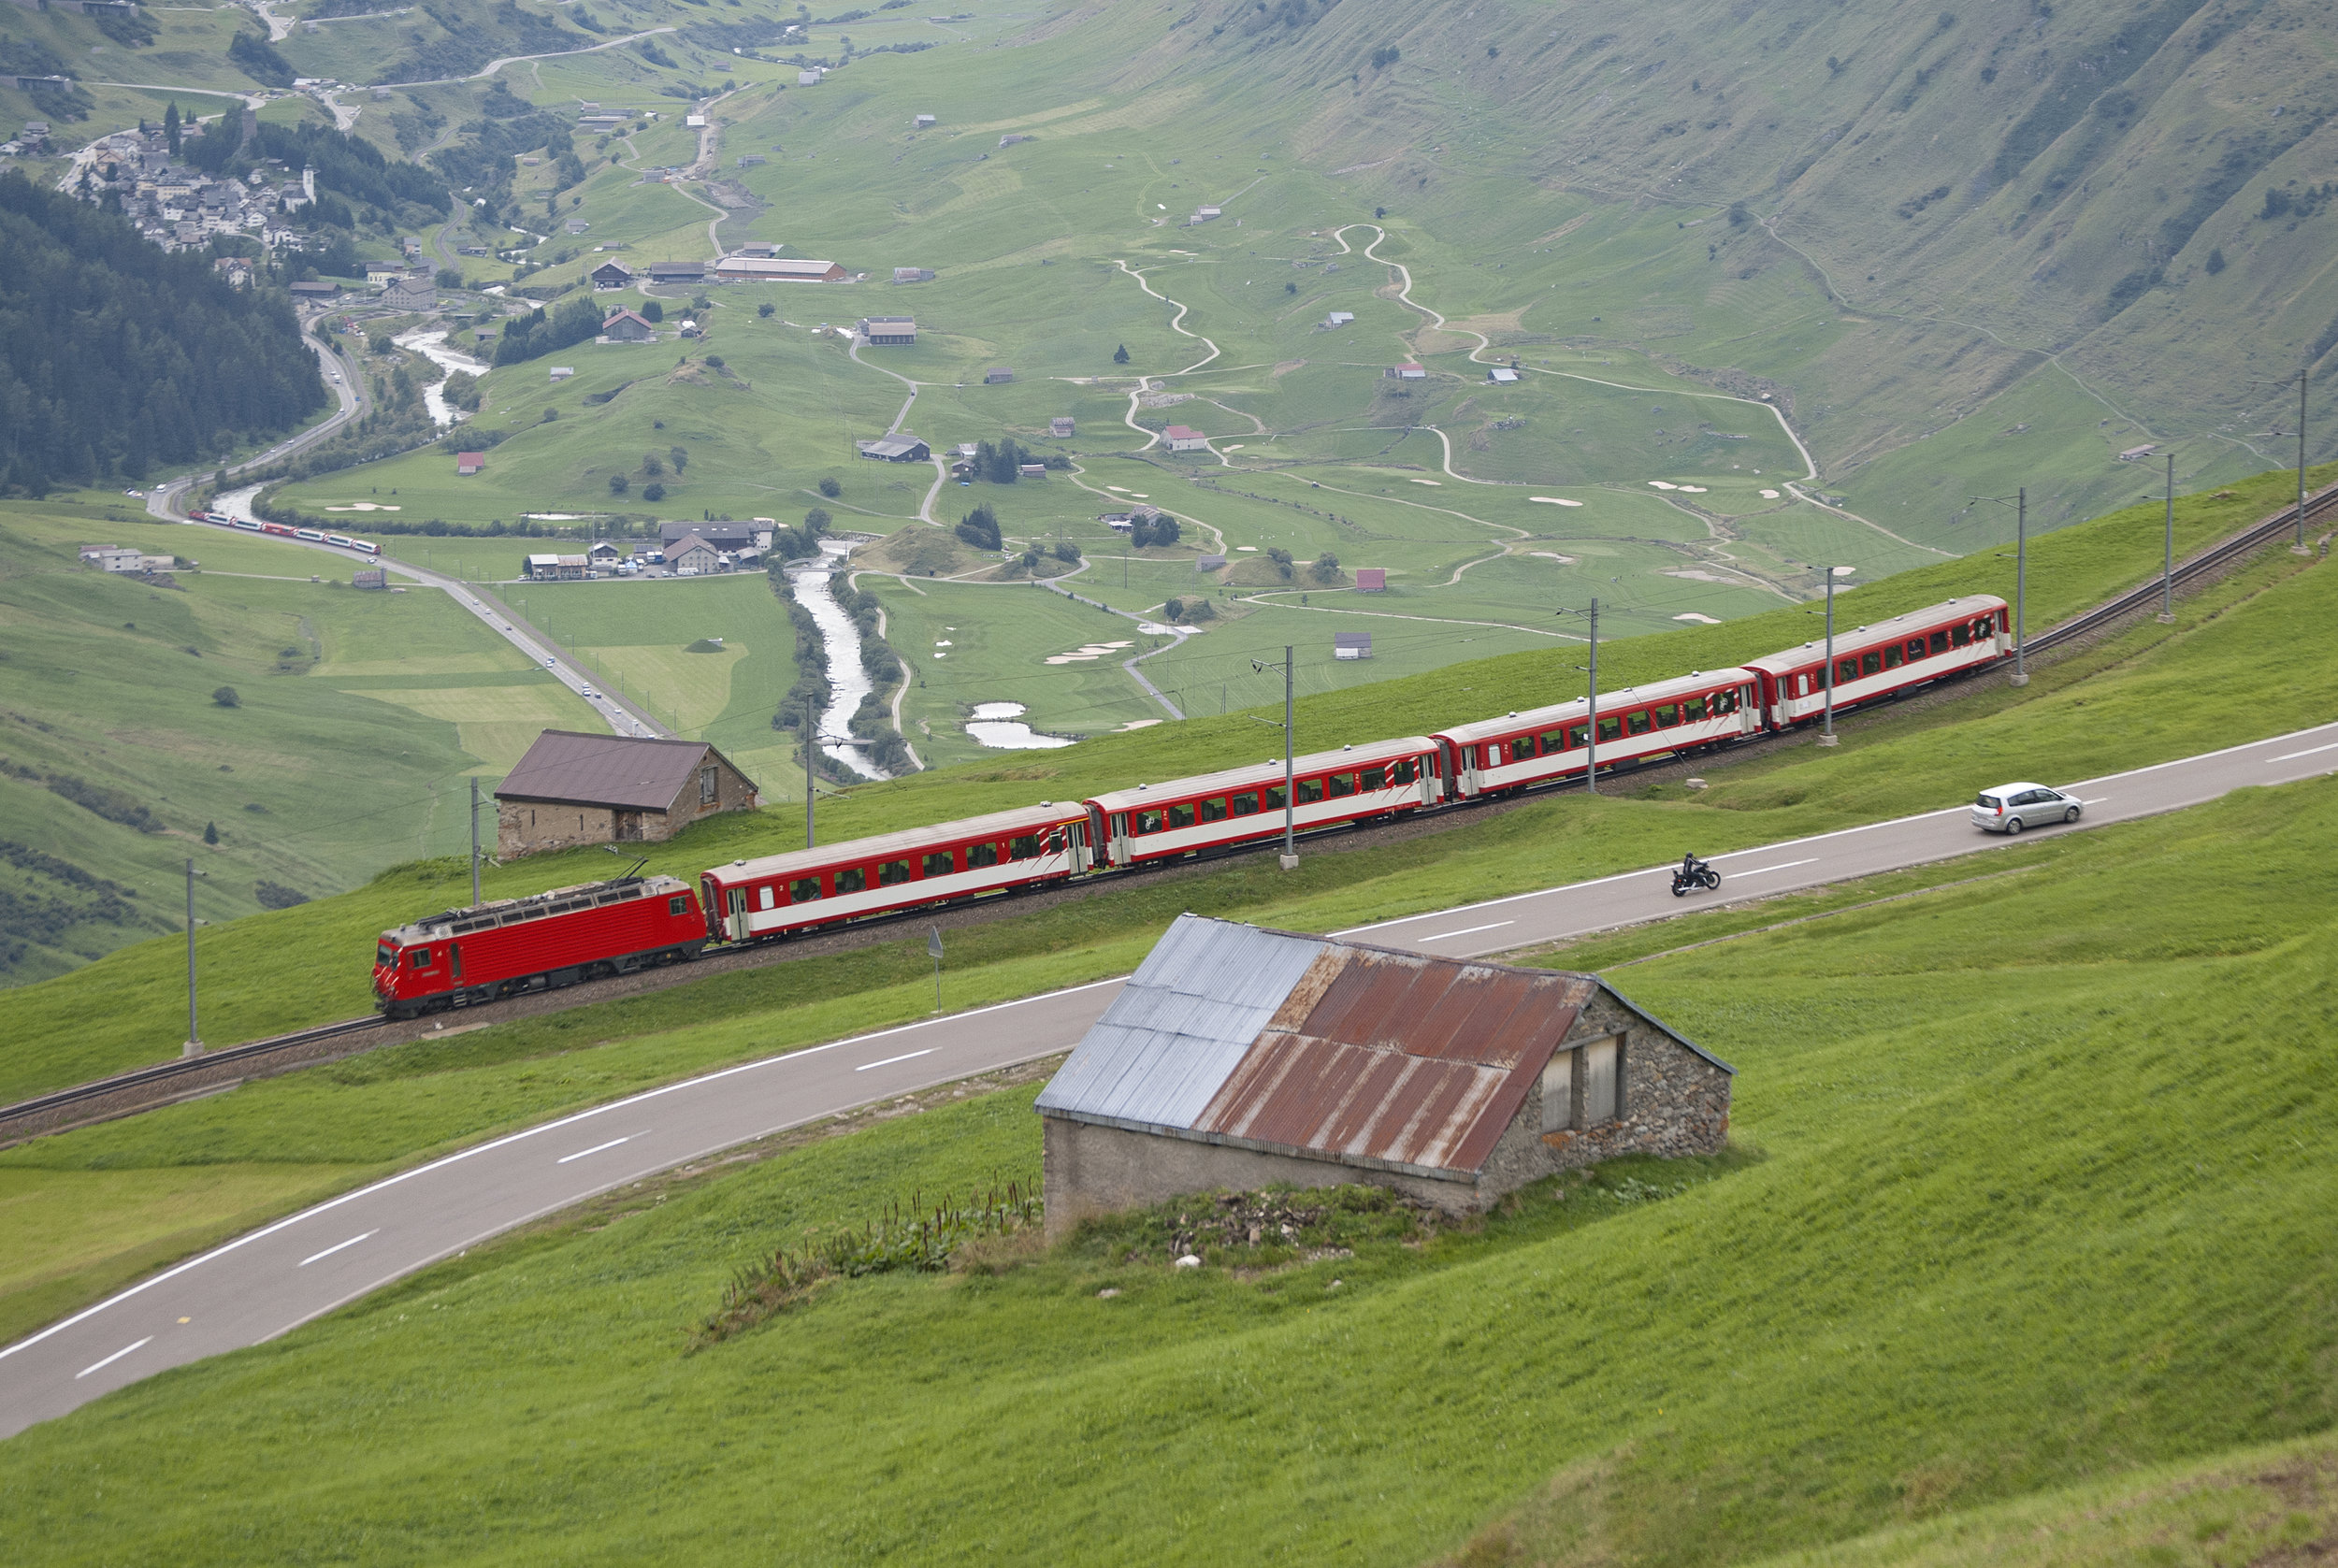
(1697,875)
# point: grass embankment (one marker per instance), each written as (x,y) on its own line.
(2041,1196)
(2159,691)
(277,972)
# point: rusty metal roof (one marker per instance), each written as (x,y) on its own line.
(1234,1034)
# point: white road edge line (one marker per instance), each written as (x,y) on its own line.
(1786,866)
(1469,931)
(97,1366)
(891,1060)
(595,1149)
(457,1157)
(2316,751)
(336,1247)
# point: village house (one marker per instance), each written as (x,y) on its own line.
(998,375)
(900,446)
(898,331)
(1407,372)
(692,557)
(625,327)
(553,569)
(1061,426)
(1351,645)
(573,789)
(913,275)
(612,275)
(728,535)
(411,292)
(1183,439)
(468,463)
(1238,1056)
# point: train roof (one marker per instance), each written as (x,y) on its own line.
(1023,819)
(1876,633)
(1559,712)
(1264,773)
(556,901)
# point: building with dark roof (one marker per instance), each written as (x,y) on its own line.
(1237,1056)
(628,326)
(612,275)
(677,272)
(898,448)
(572,788)
(733,537)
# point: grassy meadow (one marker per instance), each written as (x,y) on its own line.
(2155,692)
(2018,1215)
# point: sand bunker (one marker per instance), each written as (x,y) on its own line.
(366,506)
(1554,500)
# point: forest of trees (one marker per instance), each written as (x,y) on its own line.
(116,356)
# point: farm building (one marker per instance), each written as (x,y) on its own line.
(898,331)
(1351,645)
(1031,471)
(694,556)
(314,294)
(612,275)
(807,78)
(677,272)
(625,326)
(1061,426)
(1340,318)
(562,372)
(1238,1056)
(1184,439)
(1501,374)
(722,536)
(913,275)
(776,269)
(2134,452)
(921,122)
(553,569)
(578,225)
(1408,372)
(998,375)
(375,577)
(1371,580)
(470,463)
(574,789)
(760,250)
(900,447)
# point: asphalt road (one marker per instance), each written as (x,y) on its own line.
(276,1279)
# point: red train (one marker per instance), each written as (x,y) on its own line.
(466,957)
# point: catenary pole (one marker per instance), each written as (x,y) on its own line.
(474,841)
(193,1046)
(1291,854)
(1826,734)
(1591,771)
(2021,583)
(811,749)
(2301,544)
(2166,571)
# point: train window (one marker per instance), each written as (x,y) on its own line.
(1244,803)
(1181,815)
(1915,649)
(1961,636)
(1406,771)
(804,890)
(1693,710)
(1611,729)
(1025,846)
(1891,657)
(1578,737)
(1667,715)
(766,896)
(892,873)
(981,855)
(1148,822)
(940,863)
(1939,643)
(1214,808)
(1870,662)
(1311,791)
(1273,795)
(1552,742)
(1341,785)
(1373,778)
(1846,671)
(1637,723)
(852,878)
(385,956)
(418,958)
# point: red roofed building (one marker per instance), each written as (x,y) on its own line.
(1183,439)
(1239,1057)
(625,327)
(468,463)
(1371,580)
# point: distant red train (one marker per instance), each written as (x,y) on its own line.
(466,957)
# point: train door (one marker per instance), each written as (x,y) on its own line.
(1120,853)
(1076,845)
(737,906)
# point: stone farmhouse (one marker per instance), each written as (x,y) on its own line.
(572,788)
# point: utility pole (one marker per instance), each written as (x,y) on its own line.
(1827,733)
(1591,726)
(474,841)
(811,750)
(933,945)
(2300,547)
(1291,853)
(2021,578)
(193,1046)
(2166,576)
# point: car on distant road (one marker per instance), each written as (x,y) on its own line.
(594,694)
(2010,808)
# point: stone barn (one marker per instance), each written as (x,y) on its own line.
(573,788)
(1237,1056)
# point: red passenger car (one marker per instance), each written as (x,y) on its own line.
(1888,657)
(466,957)
(1243,805)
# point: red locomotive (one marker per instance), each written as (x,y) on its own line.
(466,957)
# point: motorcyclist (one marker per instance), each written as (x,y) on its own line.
(1691,865)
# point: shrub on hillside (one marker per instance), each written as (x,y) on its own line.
(225,697)
(980,528)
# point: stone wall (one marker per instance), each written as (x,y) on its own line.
(1674,1102)
(533,827)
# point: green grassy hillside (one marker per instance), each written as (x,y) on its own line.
(355,720)
(2030,1193)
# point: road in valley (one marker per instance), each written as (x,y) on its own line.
(276,1279)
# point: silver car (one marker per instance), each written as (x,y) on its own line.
(2010,808)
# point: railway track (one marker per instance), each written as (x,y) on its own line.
(171,1082)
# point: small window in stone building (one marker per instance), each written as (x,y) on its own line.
(706,786)
(1603,1080)
(1558,1092)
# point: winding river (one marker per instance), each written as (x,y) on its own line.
(849,683)
(431,343)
